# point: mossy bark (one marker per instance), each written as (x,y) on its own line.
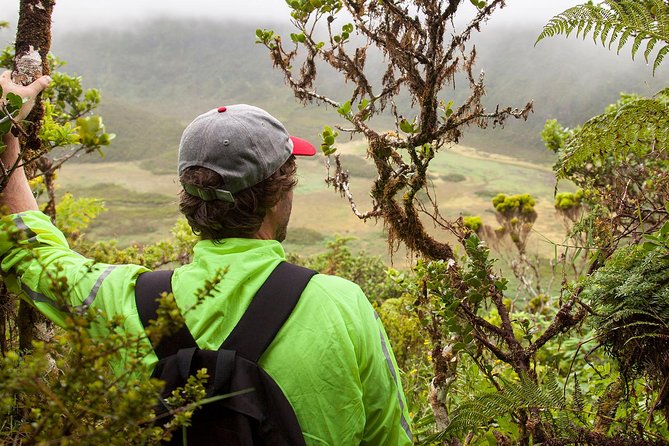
(33,43)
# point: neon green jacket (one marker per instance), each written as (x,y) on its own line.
(332,358)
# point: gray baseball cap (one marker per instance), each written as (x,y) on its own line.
(242,143)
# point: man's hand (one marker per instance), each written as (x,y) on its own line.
(30,91)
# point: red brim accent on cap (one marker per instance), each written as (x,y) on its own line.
(302,147)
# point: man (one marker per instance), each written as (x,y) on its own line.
(331,358)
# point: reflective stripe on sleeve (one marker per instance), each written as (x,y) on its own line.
(384,345)
(39,297)
(22,226)
(94,292)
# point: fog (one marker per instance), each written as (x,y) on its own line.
(86,14)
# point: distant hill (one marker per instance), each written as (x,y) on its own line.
(568,79)
(156,78)
(140,134)
(177,68)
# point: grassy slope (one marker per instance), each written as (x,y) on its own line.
(140,134)
(142,206)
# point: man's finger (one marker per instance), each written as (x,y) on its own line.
(31,90)
(38,85)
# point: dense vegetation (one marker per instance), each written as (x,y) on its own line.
(567,350)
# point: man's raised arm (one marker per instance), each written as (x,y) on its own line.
(17,196)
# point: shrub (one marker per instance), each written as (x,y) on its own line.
(453,177)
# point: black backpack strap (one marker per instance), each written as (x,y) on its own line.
(148,288)
(268,311)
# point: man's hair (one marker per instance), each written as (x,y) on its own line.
(217,219)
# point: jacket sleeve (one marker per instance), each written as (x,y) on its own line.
(386,412)
(38,263)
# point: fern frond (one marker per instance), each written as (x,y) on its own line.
(579,399)
(649,47)
(617,29)
(616,20)
(623,39)
(485,408)
(589,26)
(660,56)
(605,33)
(647,336)
(614,319)
(634,126)
(637,44)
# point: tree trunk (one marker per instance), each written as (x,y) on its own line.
(33,43)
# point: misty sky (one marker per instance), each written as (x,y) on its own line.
(115,13)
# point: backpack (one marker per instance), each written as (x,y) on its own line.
(261,416)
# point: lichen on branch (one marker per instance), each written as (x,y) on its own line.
(422,53)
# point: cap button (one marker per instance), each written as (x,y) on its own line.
(222,109)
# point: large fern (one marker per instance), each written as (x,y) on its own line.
(630,296)
(618,21)
(486,407)
(635,125)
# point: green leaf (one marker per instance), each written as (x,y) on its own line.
(647,246)
(652,239)
(298,37)
(345,109)
(406,126)
(91,131)
(327,150)
(264,36)
(426,150)
(665,229)
(105,139)
(5,125)
(448,108)
(500,285)
(328,136)
(15,101)
(475,297)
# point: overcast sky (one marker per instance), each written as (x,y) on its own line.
(115,13)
